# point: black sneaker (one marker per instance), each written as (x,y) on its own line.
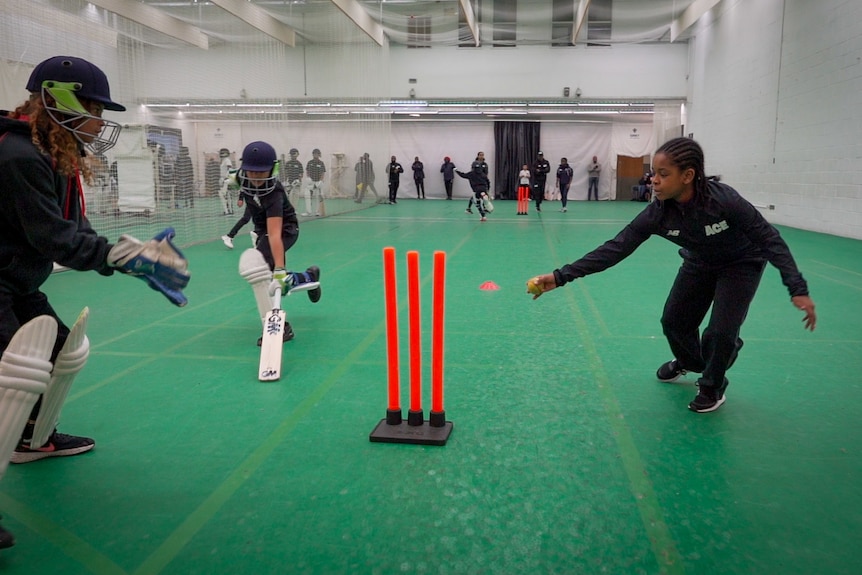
(708,399)
(314,294)
(58,445)
(286,336)
(6,539)
(670,371)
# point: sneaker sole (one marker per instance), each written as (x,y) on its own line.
(314,295)
(28,456)
(713,407)
(672,379)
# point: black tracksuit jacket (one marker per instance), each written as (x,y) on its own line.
(714,229)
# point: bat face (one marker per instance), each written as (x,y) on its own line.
(271,344)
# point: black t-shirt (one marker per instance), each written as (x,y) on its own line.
(293,170)
(272,205)
(315,169)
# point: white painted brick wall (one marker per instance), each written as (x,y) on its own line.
(776,101)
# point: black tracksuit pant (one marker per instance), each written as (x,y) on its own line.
(539,192)
(729,290)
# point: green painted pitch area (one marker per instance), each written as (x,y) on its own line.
(567,456)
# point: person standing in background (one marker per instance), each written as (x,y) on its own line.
(370,176)
(541,168)
(185,179)
(224,169)
(316,172)
(564,180)
(594,169)
(524,178)
(419,177)
(448,171)
(293,175)
(361,170)
(394,169)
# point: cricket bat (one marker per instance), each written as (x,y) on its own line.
(272,342)
(322,206)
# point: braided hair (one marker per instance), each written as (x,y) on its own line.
(685,153)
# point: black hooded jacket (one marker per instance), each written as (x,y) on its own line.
(41,216)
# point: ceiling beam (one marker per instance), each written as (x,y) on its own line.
(580,18)
(354,10)
(260,19)
(689,16)
(470,16)
(155,19)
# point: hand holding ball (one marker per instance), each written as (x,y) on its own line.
(534,286)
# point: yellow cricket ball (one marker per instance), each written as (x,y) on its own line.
(534,286)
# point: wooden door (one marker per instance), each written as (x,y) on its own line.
(629,171)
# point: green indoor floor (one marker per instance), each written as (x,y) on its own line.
(567,456)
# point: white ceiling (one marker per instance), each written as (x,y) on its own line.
(321,21)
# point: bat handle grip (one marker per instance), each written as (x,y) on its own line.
(276,299)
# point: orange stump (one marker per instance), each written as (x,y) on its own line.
(438,416)
(414,415)
(523,200)
(393,412)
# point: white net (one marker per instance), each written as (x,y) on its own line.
(197,79)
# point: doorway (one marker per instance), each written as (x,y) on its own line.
(629,171)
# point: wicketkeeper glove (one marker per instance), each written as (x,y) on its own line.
(158,262)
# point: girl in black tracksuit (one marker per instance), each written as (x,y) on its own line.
(725,244)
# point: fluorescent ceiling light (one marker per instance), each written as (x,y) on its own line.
(404,104)
(551,105)
(597,105)
(259,105)
(503,105)
(550,112)
(451,105)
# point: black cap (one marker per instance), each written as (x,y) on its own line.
(94,83)
(541,154)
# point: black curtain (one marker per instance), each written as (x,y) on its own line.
(515,144)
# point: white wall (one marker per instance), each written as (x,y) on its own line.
(441,72)
(775,101)
(623,71)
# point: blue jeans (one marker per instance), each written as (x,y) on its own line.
(594,187)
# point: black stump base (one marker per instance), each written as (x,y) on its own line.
(394,430)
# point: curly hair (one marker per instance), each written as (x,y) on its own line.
(51,138)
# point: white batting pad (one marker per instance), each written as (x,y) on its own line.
(71,360)
(254,269)
(25,370)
